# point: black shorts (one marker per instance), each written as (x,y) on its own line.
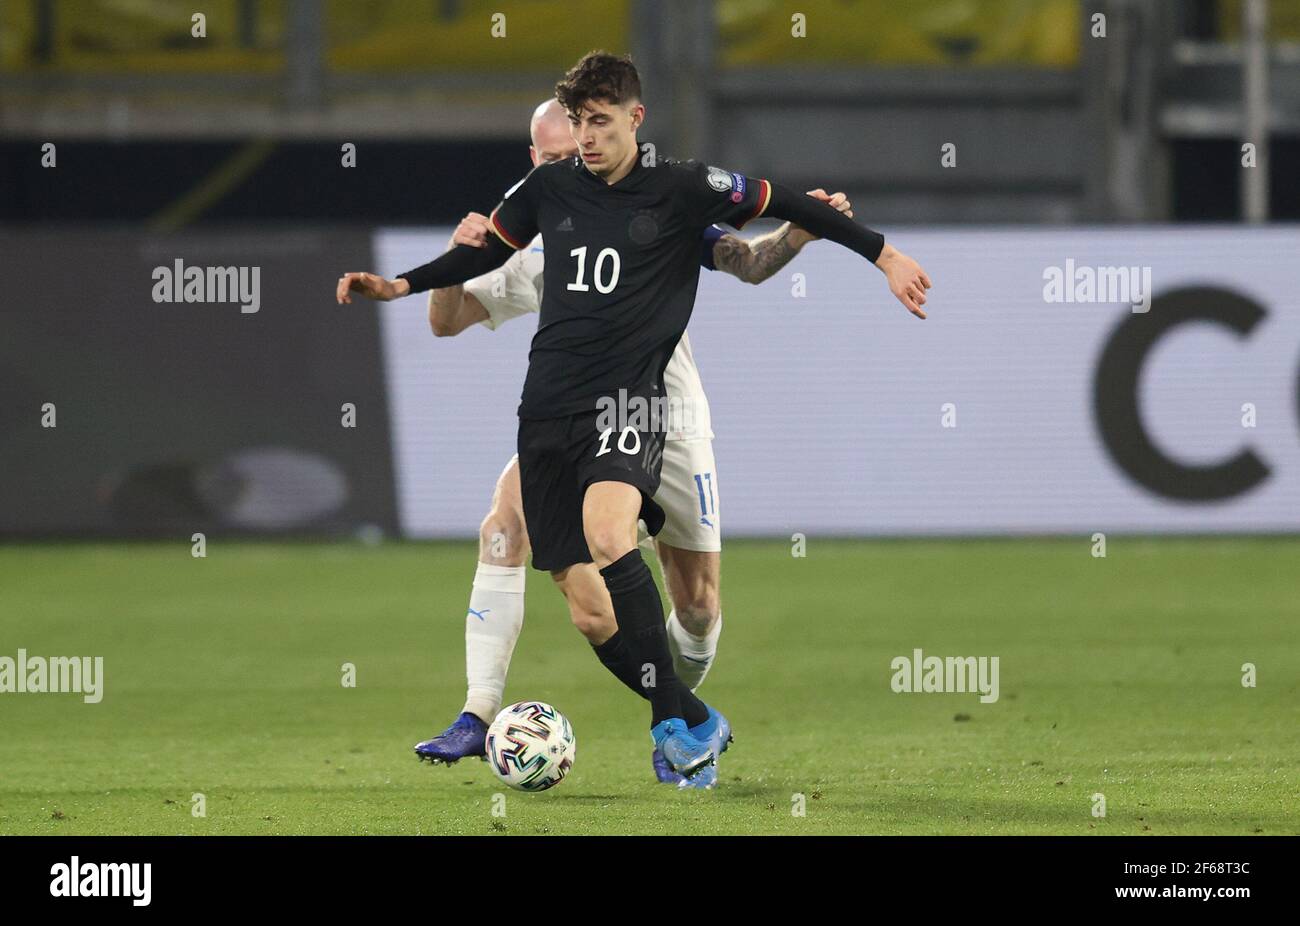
(559,458)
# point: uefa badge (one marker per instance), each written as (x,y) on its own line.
(719,179)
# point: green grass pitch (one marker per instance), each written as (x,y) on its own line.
(1119,676)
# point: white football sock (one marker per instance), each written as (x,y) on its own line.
(692,655)
(496,615)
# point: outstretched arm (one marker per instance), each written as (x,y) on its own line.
(756,259)
(907,281)
(452,309)
(459,264)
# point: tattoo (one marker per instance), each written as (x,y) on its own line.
(754,261)
(730,255)
(771,253)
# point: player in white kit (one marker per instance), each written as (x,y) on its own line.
(690,543)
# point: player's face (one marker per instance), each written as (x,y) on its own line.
(551,142)
(605,133)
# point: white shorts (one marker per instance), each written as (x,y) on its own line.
(688,494)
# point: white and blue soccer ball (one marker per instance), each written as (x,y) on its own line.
(530,746)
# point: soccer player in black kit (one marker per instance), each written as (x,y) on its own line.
(621,230)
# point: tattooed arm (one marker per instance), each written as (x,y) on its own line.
(755,260)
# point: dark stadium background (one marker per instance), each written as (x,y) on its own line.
(165,140)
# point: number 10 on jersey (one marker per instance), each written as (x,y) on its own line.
(598,271)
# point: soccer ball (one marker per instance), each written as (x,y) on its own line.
(530,746)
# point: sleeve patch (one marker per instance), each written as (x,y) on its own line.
(719,179)
(500,231)
(764,195)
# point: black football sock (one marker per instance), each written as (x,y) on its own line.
(615,656)
(693,709)
(640,617)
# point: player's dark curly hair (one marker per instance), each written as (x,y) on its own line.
(599,76)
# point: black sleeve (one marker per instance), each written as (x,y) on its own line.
(824,221)
(514,220)
(715,195)
(459,264)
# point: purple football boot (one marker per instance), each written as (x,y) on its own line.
(663,771)
(465,738)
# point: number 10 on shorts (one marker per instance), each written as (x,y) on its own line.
(629,441)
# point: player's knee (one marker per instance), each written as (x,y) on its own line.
(607,543)
(502,539)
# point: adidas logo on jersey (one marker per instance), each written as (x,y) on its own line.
(566,225)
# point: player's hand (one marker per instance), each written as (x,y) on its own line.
(838,200)
(369,284)
(473,230)
(907,281)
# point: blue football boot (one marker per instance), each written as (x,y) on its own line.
(684,753)
(716,731)
(703,780)
(465,738)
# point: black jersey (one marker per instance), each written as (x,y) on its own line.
(622,265)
